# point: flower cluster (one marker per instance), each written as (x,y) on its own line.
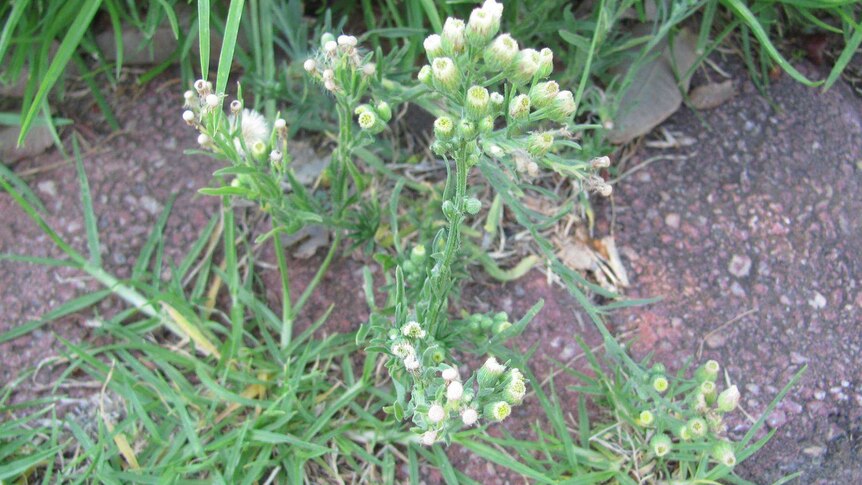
(499,98)
(484,324)
(694,416)
(339,63)
(242,135)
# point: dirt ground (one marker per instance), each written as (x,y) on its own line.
(751,235)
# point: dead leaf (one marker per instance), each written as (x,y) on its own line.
(654,94)
(712,95)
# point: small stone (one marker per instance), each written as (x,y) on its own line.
(797,358)
(814,451)
(47,187)
(819,395)
(672,220)
(777,419)
(716,340)
(753,389)
(150,204)
(740,265)
(818,301)
(737,290)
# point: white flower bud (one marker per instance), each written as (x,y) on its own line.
(280,124)
(189,96)
(330,47)
(328,75)
(532,169)
(446,76)
(425,77)
(347,40)
(563,107)
(501,53)
(403,349)
(540,143)
(275,156)
(453,35)
(436,413)
(525,67)
(329,85)
(697,427)
(444,128)
(519,107)
(449,374)
(661,444)
(497,100)
(411,364)
(428,438)
(469,416)
(515,387)
(204,140)
(212,100)
(728,399)
(544,94)
(600,162)
(481,27)
(367,120)
(188,116)
(477,102)
(494,8)
(546,62)
(454,391)
(258,149)
(369,69)
(235,106)
(490,372)
(433,46)
(495,151)
(310,66)
(412,330)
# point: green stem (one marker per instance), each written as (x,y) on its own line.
(317,276)
(286,305)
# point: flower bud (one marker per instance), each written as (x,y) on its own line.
(697,427)
(660,384)
(445,74)
(661,444)
(203,87)
(368,120)
(417,254)
(347,41)
(403,349)
(728,399)
(708,371)
(425,76)
(449,374)
(453,36)
(454,391)
(467,129)
(449,210)
(532,169)
(235,106)
(326,38)
(477,102)
(486,125)
(189,97)
(646,418)
(683,433)
(540,143)
(258,149)
(189,116)
(715,423)
(204,140)
(723,453)
(519,107)
(310,66)
(494,8)
(502,52)
(472,205)
(497,411)
(444,128)
(481,27)
(437,356)
(605,190)
(469,416)
(543,94)
(563,107)
(330,48)
(433,46)
(525,67)
(275,156)
(384,111)
(515,387)
(436,413)
(412,330)
(212,100)
(330,85)
(428,438)
(411,364)
(500,327)
(546,62)
(600,162)
(490,372)
(369,69)
(707,388)
(328,75)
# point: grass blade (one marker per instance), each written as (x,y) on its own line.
(87,206)
(231,29)
(204,35)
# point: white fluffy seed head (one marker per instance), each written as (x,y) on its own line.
(411,364)
(436,413)
(369,69)
(330,47)
(203,140)
(280,124)
(433,46)
(310,66)
(347,40)
(469,416)
(188,116)
(189,95)
(449,374)
(454,391)
(212,100)
(254,127)
(428,438)
(275,156)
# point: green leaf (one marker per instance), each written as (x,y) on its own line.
(87,204)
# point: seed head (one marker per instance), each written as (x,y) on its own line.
(347,41)
(412,330)
(454,391)
(235,106)
(275,156)
(330,47)
(469,416)
(403,349)
(204,140)
(189,116)
(212,100)
(254,127)
(600,162)
(428,438)
(436,413)
(449,374)
(369,69)
(411,364)
(280,124)
(310,66)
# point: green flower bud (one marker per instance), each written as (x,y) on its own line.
(645,418)
(697,427)
(500,327)
(660,384)
(472,205)
(490,373)
(661,444)
(497,411)
(453,36)
(438,356)
(519,107)
(425,77)
(445,74)
(449,210)
(326,38)
(714,421)
(708,371)
(486,125)
(481,27)
(683,433)
(417,254)
(361,109)
(384,111)
(467,129)
(487,322)
(723,453)
(501,317)
(563,107)
(444,128)
(540,144)
(477,102)
(728,399)
(543,94)
(525,67)
(546,62)
(497,101)
(500,55)
(514,387)
(707,388)
(258,149)
(368,120)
